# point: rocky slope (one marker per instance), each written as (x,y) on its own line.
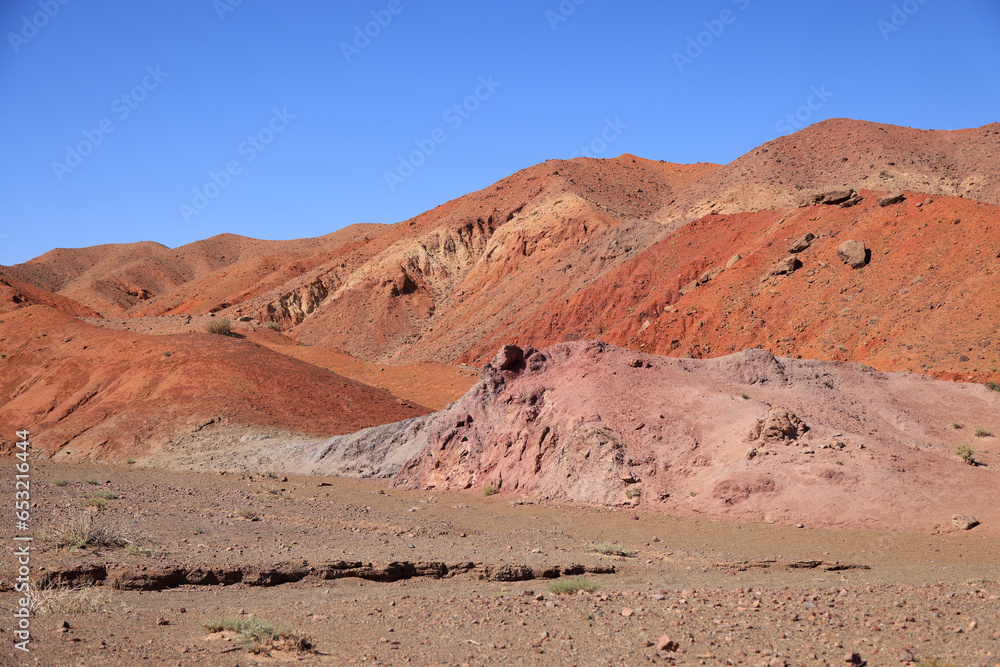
(86,392)
(748,436)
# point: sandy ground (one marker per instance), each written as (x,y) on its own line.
(725,593)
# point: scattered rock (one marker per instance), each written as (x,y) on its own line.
(162,621)
(853,253)
(626,612)
(687,288)
(244,318)
(667,644)
(708,275)
(801,243)
(853,659)
(852,201)
(785,266)
(906,656)
(732,260)
(964,522)
(828,197)
(889,200)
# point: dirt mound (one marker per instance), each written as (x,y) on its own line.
(90,393)
(842,152)
(748,436)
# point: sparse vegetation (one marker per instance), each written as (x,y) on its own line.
(94,481)
(609,549)
(258,635)
(106,494)
(273,326)
(956,425)
(966,453)
(633,492)
(85,531)
(60,482)
(993,386)
(572,585)
(219,325)
(130,461)
(65,600)
(166,354)
(489,489)
(983,433)
(248,514)
(745,396)
(99,503)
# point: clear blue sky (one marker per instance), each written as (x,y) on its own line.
(199,78)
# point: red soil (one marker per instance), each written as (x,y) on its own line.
(88,392)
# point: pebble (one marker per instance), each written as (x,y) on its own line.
(665,643)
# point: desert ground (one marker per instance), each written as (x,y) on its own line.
(372,574)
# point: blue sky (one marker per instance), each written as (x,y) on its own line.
(172,121)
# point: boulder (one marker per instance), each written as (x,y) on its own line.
(785,266)
(829,197)
(853,253)
(732,260)
(889,200)
(687,288)
(508,357)
(801,243)
(963,522)
(708,275)
(856,199)
(778,424)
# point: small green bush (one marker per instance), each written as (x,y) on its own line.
(633,492)
(993,386)
(106,494)
(966,453)
(572,585)
(956,425)
(489,489)
(273,326)
(94,481)
(219,325)
(983,433)
(60,482)
(257,634)
(609,549)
